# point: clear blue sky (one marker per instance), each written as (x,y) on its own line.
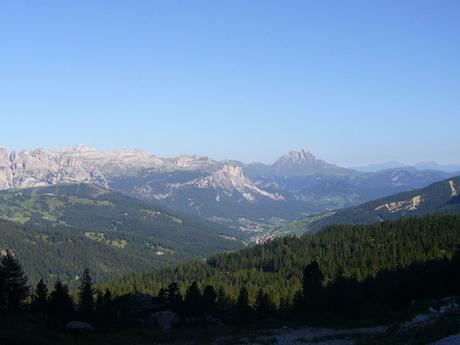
(354,81)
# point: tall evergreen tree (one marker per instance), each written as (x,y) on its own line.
(456,270)
(60,303)
(243,308)
(224,303)
(192,300)
(13,285)
(312,288)
(85,295)
(163,296)
(210,300)
(108,300)
(103,309)
(99,304)
(174,297)
(40,297)
(264,305)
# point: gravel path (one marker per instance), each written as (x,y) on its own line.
(306,335)
(323,336)
(452,340)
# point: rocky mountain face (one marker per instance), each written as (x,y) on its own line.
(231,179)
(246,196)
(301,163)
(82,164)
(44,168)
(6,176)
(296,163)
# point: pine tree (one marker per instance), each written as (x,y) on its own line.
(99,305)
(103,309)
(223,303)
(243,309)
(312,288)
(174,297)
(210,300)
(192,301)
(456,270)
(264,305)
(108,300)
(85,295)
(163,296)
(60,303)
(40,297)
(13,282)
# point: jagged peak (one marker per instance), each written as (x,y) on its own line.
(82,148)
(192,162)
(300,156)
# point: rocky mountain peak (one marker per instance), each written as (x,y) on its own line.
(5,170)
(303,162)
(231,178)
(298,157)
(3,154)
(82,148)
(193,162)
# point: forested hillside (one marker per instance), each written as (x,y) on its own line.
(355,252)
(68,227)
(439,197)
(355,273)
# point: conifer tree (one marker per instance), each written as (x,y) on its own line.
(99,304)
(13,282)
(264,305)
(40,297)
(312,288)
(210,300)
(243,309)
(192,300)
(85,295)
(60,303)
(174,297)
(223,303)
(163,296)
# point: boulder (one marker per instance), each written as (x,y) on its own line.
(165,319)
(79,327)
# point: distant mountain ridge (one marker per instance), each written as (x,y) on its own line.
(251,197)
(448,168)
(439,197)
(376,167)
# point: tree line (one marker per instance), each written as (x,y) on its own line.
(357,252)
(347,272)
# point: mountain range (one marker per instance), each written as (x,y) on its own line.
(449,168)
(131,211)
(440,197)
(253,197)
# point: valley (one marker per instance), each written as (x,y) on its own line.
(233,250)
(229,172)
(253,198)
(134,211)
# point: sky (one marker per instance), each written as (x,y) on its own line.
(355,82)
